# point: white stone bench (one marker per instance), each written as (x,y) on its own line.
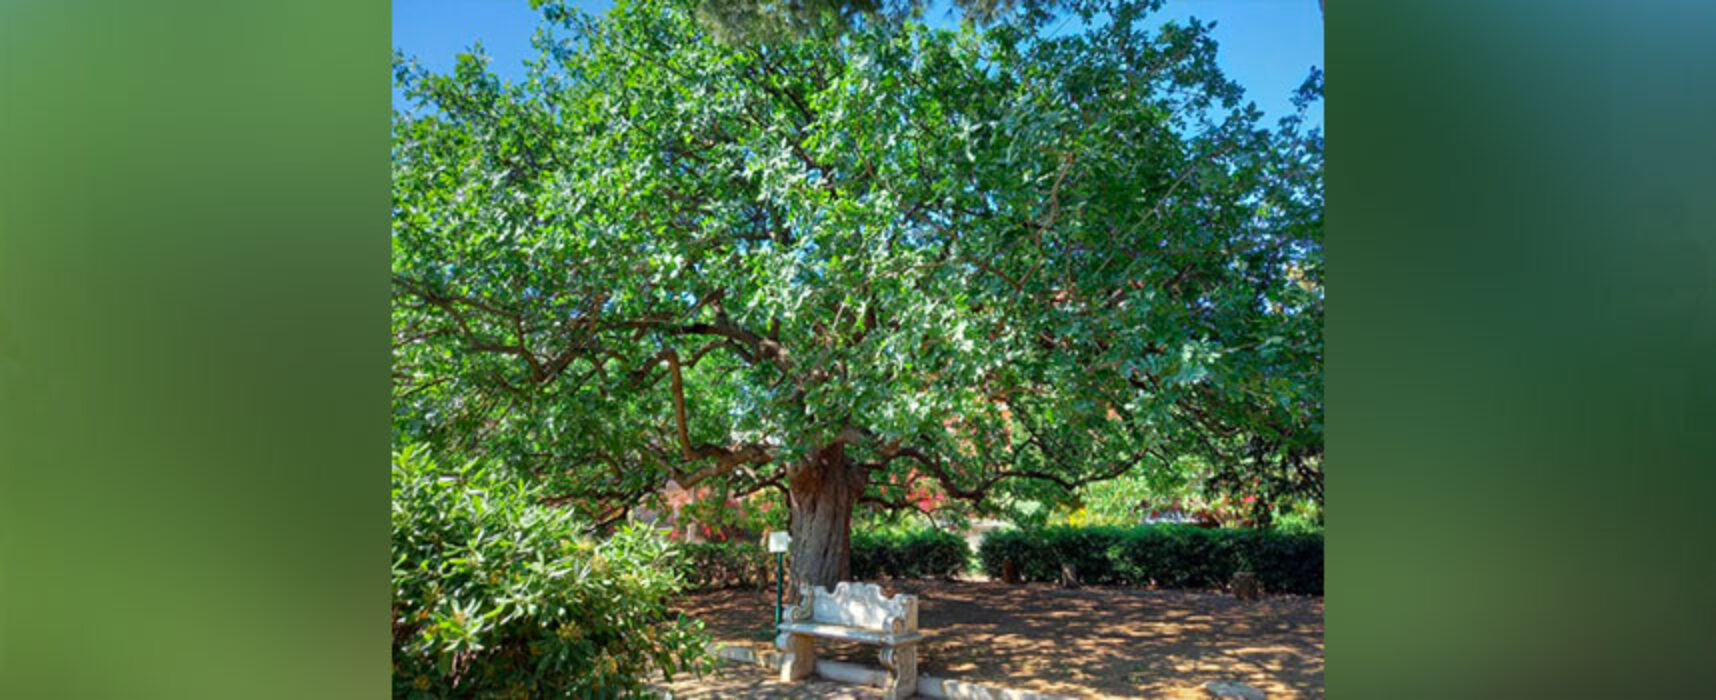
(854,612)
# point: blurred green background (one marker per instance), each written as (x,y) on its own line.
(1521,330)
(193,349)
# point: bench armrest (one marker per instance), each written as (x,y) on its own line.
(894,624)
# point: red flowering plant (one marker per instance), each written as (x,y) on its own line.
(728,528)
(913,499)
(718,516)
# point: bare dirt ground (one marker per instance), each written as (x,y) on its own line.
(1096,642)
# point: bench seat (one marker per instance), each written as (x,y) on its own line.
(851,634)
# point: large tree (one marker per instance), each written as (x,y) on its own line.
(837,262)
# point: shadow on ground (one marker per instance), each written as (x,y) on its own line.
(1090,642)
(745,681)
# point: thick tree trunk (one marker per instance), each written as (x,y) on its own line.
(824,489)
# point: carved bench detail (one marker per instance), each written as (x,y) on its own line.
(854,612)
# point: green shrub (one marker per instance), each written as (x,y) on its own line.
(1287,562)
(875,554)
(1027,550)
(497,595)
(1093,552)
(908,554)
(711,566)
(1168,556)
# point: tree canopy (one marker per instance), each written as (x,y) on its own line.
(854,261)
(773,20)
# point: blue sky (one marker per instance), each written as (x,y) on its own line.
(1267,46)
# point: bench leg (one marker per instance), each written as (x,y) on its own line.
(902,665)
(798,658)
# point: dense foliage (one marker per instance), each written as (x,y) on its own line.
(992,261)
(773,20)
(1169,556)
(922,553)
(1187,494)
(496,595)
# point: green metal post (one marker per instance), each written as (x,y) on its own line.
(778,586)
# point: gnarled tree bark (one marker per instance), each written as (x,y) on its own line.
(823,490)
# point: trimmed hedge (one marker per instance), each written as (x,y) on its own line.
(709,566)
(1169,556)
(910,554)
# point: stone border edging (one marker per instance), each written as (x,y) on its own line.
(928,686)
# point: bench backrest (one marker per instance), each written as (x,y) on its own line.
(861,605)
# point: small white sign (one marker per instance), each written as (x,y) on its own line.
(779,542)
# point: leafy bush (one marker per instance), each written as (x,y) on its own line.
(908,554)
(1027,549)
(1292,561)
(497,595)
(1169,556)
(719,565)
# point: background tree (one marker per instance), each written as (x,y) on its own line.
(850,261)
